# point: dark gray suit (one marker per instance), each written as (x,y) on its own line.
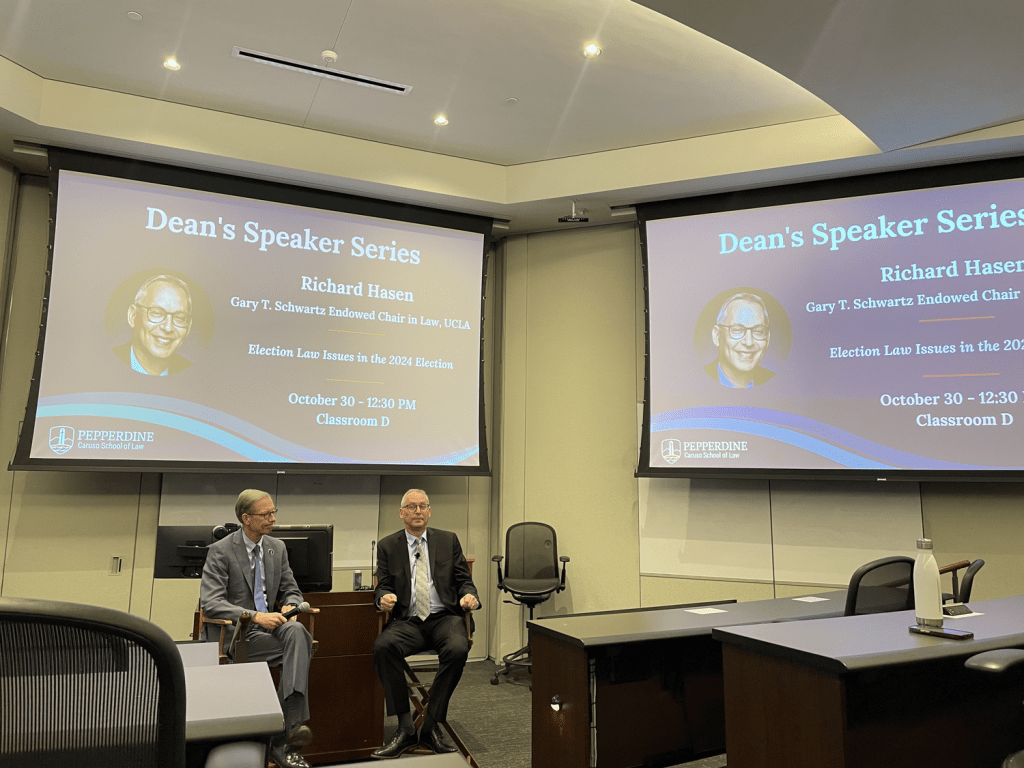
(443,632)
(227,590)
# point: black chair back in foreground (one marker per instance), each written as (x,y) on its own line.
(530,576)
(998,662)
(881,586)
(85,685)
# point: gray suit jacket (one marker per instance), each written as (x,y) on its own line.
(226,589)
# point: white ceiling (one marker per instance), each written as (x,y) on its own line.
(689,96)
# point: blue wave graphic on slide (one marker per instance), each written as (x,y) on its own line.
(211,425)
(825,440)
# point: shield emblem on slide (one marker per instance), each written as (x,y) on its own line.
(62,439)
(671,450)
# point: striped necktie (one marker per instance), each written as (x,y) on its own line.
(258,596)
(421,594)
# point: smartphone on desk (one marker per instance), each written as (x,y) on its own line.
(950,634)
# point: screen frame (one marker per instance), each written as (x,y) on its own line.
(259,190)
(837,188)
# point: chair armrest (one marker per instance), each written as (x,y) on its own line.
(954,568)
(995,661)
(501,582)
(563,559)
(199,625)
(240,642)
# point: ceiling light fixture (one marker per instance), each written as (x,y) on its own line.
(134,15)
(440,120)
(592,50)
(172,64)
(329,57)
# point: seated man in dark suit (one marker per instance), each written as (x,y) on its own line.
(248,571)
(424,580)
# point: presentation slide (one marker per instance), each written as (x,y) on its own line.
(876,333)
(186,326)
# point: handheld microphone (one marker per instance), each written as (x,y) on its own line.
(302,607)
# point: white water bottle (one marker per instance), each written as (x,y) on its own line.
(927,587)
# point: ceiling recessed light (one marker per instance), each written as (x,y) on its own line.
(592,51)
(134,15)
(172,64)
(511,100)
(440,120)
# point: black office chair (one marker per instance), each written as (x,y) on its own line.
(962,589)
(530,577)
(998,662)
(84,685)
(881,586)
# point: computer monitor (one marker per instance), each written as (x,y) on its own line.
(181,550)
(310,554)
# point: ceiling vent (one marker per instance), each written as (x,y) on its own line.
(319,71)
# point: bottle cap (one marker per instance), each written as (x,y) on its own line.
(924,543)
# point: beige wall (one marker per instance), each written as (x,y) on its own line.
(568,437)
(564,356)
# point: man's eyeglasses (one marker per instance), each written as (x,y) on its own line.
(157,315)
(737,332)
(263,514)
(414,507)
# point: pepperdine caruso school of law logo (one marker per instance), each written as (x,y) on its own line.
(671,450)
(62,439)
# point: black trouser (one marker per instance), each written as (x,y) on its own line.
(444,633)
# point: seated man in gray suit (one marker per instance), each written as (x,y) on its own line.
(248,571)
(424,580)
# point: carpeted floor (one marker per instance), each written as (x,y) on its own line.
(494,720)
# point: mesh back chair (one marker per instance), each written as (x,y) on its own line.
(530,577)
(82,685)
(881,586)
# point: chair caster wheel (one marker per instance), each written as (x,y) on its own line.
(494,680)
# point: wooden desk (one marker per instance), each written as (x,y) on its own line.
(642,684)
(346,699)
(864,691)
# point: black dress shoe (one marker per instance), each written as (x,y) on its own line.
(300,737)
(399,743)
(286,757)
(436,740)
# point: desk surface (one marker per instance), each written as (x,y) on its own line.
(856,643)
(231,701)
(591,631)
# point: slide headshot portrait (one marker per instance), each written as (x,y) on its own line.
(160,318)
(742,333)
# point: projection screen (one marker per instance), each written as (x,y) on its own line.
(188,327)
(870,334)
